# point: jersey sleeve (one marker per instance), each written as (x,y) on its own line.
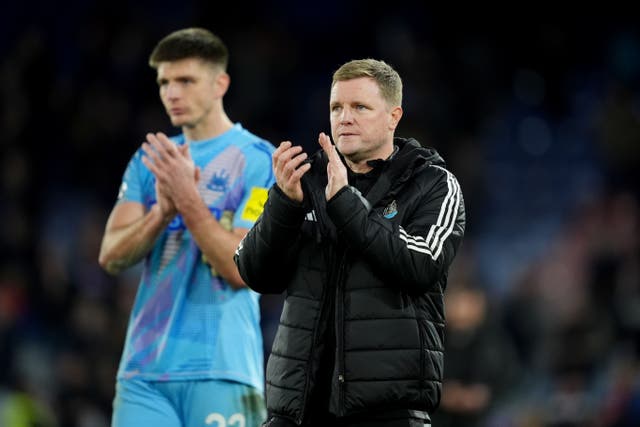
(133,180)
(258,178)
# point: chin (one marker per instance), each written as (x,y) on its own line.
(178,122)
(346,147)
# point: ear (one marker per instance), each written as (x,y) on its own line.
(394,117)
(222,83)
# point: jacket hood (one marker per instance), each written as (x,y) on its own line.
(411,153)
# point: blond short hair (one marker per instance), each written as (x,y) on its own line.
(385,76)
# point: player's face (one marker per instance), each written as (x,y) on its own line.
(189,89)
(362,123)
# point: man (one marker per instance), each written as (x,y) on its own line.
(361,236)
(193,350)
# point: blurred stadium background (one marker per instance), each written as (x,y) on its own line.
(537,114)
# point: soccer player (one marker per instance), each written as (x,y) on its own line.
(193,350)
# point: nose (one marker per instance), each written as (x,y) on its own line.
(346,116)
(172,90)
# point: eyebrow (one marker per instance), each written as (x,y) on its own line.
(181,77)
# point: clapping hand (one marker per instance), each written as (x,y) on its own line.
(336,170)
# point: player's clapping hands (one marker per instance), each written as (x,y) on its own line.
(175,172)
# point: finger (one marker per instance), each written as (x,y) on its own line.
(151,166)
(156,151)
(158,163)
(297,174)
(166,143)
(158,146)
(153,140)
(294,163)
(275,157)
(284,145)
(282,150)
(283,159)
(322,139)
(328,147)
(287,170)
(153,162)
(150,152)
(184,150)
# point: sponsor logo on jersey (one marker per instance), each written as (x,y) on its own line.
(255,204)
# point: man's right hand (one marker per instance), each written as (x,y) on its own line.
(167,207)
(288,168)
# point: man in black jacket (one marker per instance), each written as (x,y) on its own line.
(360,236)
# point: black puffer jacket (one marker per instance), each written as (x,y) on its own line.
(382,262)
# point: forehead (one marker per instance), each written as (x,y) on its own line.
(361,88)
(184,67)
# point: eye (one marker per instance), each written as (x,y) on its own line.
(360,107)
(335,108)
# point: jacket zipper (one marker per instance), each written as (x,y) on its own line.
(305,396)
(308,370)
(339,310)
(423,349)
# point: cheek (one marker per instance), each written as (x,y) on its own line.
(164,96)
(201,99)
(334,125)
(381,124)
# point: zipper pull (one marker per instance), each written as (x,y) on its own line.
(341,378)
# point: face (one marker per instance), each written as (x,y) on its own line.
(190,90)
(362,123)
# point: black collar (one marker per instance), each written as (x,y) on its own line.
(376,163)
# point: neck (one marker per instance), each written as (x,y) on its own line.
(361,165)
(216,126)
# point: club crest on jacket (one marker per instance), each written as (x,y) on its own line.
(391,210)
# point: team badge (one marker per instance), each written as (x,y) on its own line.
(219,181)
(391,210)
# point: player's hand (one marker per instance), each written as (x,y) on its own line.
(174,169)
(167,207)
(336,170)
(288,167)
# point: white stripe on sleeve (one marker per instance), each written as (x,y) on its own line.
(438,232)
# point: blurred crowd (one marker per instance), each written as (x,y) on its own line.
(540,122)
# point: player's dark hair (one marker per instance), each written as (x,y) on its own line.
(190,43)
